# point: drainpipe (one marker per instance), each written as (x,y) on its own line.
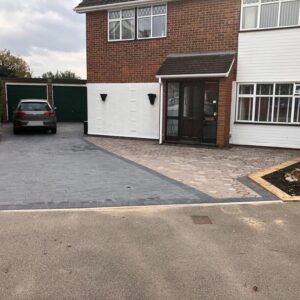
(161,111)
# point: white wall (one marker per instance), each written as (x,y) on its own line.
(282,136)
(267,56)
(270,55)
(126,112)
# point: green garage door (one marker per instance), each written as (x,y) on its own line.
(70,103)
(17,92)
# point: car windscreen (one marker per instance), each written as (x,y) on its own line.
(34,106)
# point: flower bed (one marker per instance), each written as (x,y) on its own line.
(286,179)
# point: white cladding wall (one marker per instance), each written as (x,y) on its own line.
(262,135)
(270,55)
(267,56)
(126,112)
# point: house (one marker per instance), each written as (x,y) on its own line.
(194,70)
(266,109)
(161,69)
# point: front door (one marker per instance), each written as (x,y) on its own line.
(192,111)
(191,125)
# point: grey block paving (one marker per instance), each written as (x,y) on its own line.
(58,171)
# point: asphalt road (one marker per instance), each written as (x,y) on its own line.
(248,252)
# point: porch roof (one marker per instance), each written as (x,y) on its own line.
(197,65)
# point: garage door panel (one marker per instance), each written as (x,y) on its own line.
(70,103)
(17,92)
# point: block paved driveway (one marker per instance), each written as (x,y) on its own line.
(65,170)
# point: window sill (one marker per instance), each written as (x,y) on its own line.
(266,124)
(119,41)
(136,40)
(151,38)
(269,29)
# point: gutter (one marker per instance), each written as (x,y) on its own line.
(82,10)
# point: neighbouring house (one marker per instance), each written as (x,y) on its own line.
(266,109)
(200,71)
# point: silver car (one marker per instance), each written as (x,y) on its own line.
(34,114)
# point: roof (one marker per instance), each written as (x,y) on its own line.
(206,64)
(43,81)
(86,3)
(94,5)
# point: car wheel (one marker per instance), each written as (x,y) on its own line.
(53,130)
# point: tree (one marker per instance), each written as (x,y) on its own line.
(60,75)
(13,66)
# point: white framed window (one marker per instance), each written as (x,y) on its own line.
(152,21)
(121,25)
(274,103)
(262,14)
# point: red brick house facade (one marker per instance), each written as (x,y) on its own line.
(128,70)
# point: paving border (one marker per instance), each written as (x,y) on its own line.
(258,178)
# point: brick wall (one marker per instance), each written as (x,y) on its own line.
(193,26)
(224,108)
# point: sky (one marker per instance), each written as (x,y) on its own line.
(47,34)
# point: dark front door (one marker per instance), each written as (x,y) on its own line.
(192,111)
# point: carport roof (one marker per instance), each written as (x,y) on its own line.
(205,64)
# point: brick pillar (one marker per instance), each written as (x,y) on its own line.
(50,91)
(3,103)
(224,110)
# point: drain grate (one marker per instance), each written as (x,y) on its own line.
(201,220)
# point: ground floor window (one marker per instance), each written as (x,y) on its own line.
(268,103)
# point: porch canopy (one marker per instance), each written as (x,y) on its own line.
(197,65)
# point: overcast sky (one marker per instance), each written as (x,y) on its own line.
(48,34)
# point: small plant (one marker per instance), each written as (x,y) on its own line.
(293,176)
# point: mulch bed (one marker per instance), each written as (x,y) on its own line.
(278,179)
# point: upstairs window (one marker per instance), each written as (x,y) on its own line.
(152,21)
(121,25)
(260,14)
(141,23)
